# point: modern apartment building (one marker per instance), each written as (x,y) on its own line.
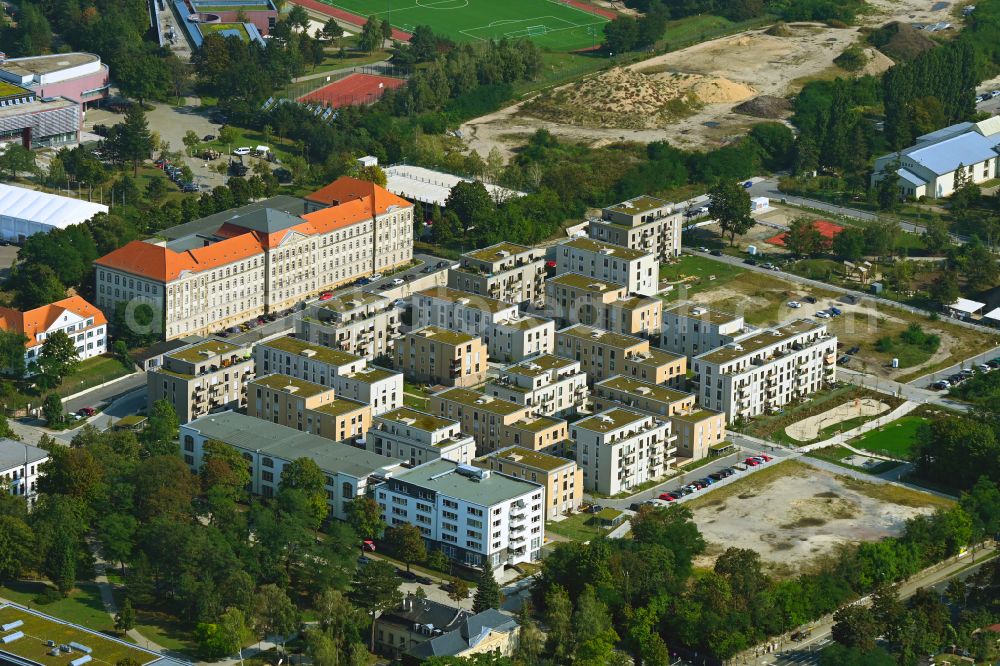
(603,355)
(519,337)
(638,270)
(474,516)
(692,329)
(20,467)
(204,377)
(620,449)
(762,372)
(697,430)
(561,477)
(269,447)
(643,223)
(549,385)
(496,423)
(435,355)
(459,311)
(506,271)
(308,407)
(349,374)
(577,299)
(418,437)
(84,324)
(359,323)
(257,260)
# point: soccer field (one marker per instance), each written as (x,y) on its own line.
(552,24)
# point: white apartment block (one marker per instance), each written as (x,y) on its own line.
(350,375)
(417,437)
(20,467)
(474,516)
(760,373)
(257,260)
(459,311)
(550,385)
(692,329)
(643,223)
(359,323)
(506,271)
(620,449)
(638,270)
(84,324)
(519,337)
(269,447)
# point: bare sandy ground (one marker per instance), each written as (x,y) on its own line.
(808,429)
(801,514)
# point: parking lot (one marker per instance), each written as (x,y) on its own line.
(945,379)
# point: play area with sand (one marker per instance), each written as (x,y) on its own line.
(809,428)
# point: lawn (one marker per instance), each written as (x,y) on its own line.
(282,148)
(165,630)
(696,273)
(577,527)
(768,426)
(83,606)
(416,396)
(836,455)
(895,439)
(552,25)
(92,372)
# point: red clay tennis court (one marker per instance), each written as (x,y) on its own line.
(826,229)
(353,89)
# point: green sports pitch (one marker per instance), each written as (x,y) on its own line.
(551,24)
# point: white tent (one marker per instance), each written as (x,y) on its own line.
(993,315)
(24,212)
(966,306)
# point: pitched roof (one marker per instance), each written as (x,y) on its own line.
(346,189)
(51,209)
(945,156)
(39,320)
(472,630)
(163,264)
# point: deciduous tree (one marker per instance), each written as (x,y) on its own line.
(729,204)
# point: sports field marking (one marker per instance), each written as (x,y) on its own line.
(433,5)
(533,22)
(561,3)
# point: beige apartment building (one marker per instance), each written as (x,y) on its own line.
(692,329)
(506,271)
(201,378)
(257,260)
(643,223)
(549,385)
(519,337)
(760,373)
(359,323)
(296,403)
(697,430)
(620,449)
(349,374)
(561,477)
(496,423)
(577,299)
(603,355)
(418,437)
(435,355)
(638,270)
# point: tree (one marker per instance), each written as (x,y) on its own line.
(17,545)
(58,357)
(365,515)
(191,140)
(333,30)
(376,589)
(594,636)
(131,140)
(855,626)
(729,204)
(116,532)
(982,503)
(488,594)
(621,35)
(273,612)
(935,236)
(125,619)
(306,476)
(371,34)
(142,76)
(36,285)
(52,410)
(470,202)
(228,636)
(849,244)
(156,190)
(160,435)
(228,135)
(12,354)
(559,619)
(803,238)
(386,29)
(407,543)
(459,590)
(944,290)
(15,159)
(224,469)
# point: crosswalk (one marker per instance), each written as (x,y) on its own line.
(804,656)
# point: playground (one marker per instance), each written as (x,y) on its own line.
(850,414)
(560,25)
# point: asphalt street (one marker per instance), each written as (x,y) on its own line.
(927,380)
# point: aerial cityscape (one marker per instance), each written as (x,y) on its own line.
(522,333)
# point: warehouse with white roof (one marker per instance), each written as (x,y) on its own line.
(25,212)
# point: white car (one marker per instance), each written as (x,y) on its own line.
(376,276)
(995,93)
(242,151)
(794,304)
(397,281)
(823,314)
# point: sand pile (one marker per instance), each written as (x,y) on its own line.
(765,106)
(901,41)
(627,98)
(877,63)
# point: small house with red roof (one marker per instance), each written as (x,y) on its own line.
(85,325)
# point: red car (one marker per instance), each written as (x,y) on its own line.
(751,462)
(325,296)
(666,497)
(86,411)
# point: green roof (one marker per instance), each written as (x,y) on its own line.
(180,375)
(523,323)
(620,251)
(220,27)
(656,357)
(10,90)
(319,353)
(415,419)
(441,476)
(300,388)
(642,389)
(587,333)
(373,374)
(479,401)
(492,253)
(578,281)
(537,423)
(131,420)
(533,459)
(759,341)
(476,301)
(610,419)
(39,628)
(351,301)
(696,415)
(608,514)
(701,312)
(641,204)
(203,351)
(539,365)
(443,335)
(340,406)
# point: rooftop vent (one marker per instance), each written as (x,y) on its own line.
(531,365)
(596,334)
(463,301)
(290,388)
(11,625)
(607,250)
(408,420)
(604,418)
(696,311)
(309,353)
(503,253)
(10,638)
(596,285)
(643,390)
(473,472)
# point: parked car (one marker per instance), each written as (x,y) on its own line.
(854,350)
(940,385)
(750,462)
(749,261)
(442,264)
(748,184)
(634,506)
(995,363)
(427,269)
(208,137)
(995,93)
(86,411)
(325,296)
(809,299)
(423,580)
(844,360)
(983,367)
(375,276)
(836,312)
(794,304)
(406,575)
(409,277)
(242,150)
(191,187)
(716,253)
(708,480)
(397,281)
(823,314)
(667,497)
(768,265)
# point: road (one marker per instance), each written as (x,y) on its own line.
(927,380)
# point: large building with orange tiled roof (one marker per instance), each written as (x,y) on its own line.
(257,260)
(85,325)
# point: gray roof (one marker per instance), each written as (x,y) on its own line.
(945,156)
(944,132)
(910,177)
(266,220)
(445,477)
(272,439)
(210,224)
(12,454)
(472,630)
(425,611)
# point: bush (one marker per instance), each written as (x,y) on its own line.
(852,59)
(884,344)
(47,596)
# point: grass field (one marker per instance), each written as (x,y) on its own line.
(894,439)
(83,606)
(549,23)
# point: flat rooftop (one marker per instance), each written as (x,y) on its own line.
(418,420)
(497,252)
(638,205)
(36,106)
(312,351)
(610,419)
(272,439)
(701,313)
(656,357)
(297,387)
(467,299)
(762,340)
(600,336)
(443,335)
(373,374)
(202,351)
(479,401)
(430,186)
(351,301)
(529,458)
(39,628)
(538,423)
(642,389)
(539,365)
(696,415)
(449,479)
(46,64)
(578,281)
(341,406)
(8,89)
(612,250)
(524,323)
